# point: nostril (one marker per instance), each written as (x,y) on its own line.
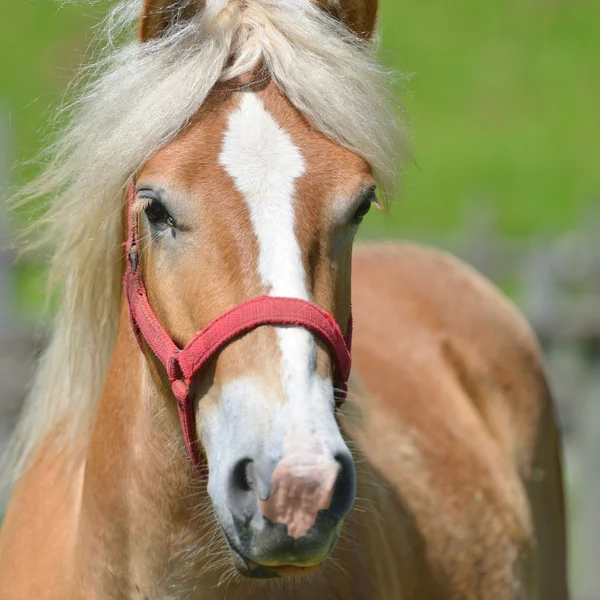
(241,478)
(345,487)
(241,499)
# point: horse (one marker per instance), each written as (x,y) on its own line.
(186,434)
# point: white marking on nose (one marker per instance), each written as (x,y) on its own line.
(264,164)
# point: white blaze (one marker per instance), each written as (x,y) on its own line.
(264,164)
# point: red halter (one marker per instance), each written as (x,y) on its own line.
(182,364)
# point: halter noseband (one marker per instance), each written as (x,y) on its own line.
(182,364)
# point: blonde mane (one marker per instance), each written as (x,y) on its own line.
(137,98)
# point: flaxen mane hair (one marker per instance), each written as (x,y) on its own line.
(135,99)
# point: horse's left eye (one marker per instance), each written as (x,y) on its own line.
(363,208)
(157,214)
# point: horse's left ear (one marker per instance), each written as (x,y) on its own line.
(359,16)
(158,15)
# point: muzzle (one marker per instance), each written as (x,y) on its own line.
(183,364)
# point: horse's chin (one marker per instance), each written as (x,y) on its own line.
(248,568)
(254,570)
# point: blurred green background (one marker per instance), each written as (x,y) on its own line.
(504,103)
(503,100)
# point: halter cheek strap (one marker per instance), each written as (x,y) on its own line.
(182,364)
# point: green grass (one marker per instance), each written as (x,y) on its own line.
(503,102)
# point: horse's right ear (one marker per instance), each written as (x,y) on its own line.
(158,15)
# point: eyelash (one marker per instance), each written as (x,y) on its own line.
(157,214)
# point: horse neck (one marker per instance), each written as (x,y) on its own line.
(140,493)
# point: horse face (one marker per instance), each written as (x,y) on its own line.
(250,200)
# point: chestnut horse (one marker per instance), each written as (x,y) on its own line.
(244,138)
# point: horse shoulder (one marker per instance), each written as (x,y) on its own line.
(457,405)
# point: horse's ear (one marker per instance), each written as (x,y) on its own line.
(159,15)
(359,16)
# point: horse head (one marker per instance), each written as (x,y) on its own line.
(251,199)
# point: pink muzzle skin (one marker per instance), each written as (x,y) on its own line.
(182,364)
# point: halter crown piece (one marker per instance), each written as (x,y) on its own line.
(182,364)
